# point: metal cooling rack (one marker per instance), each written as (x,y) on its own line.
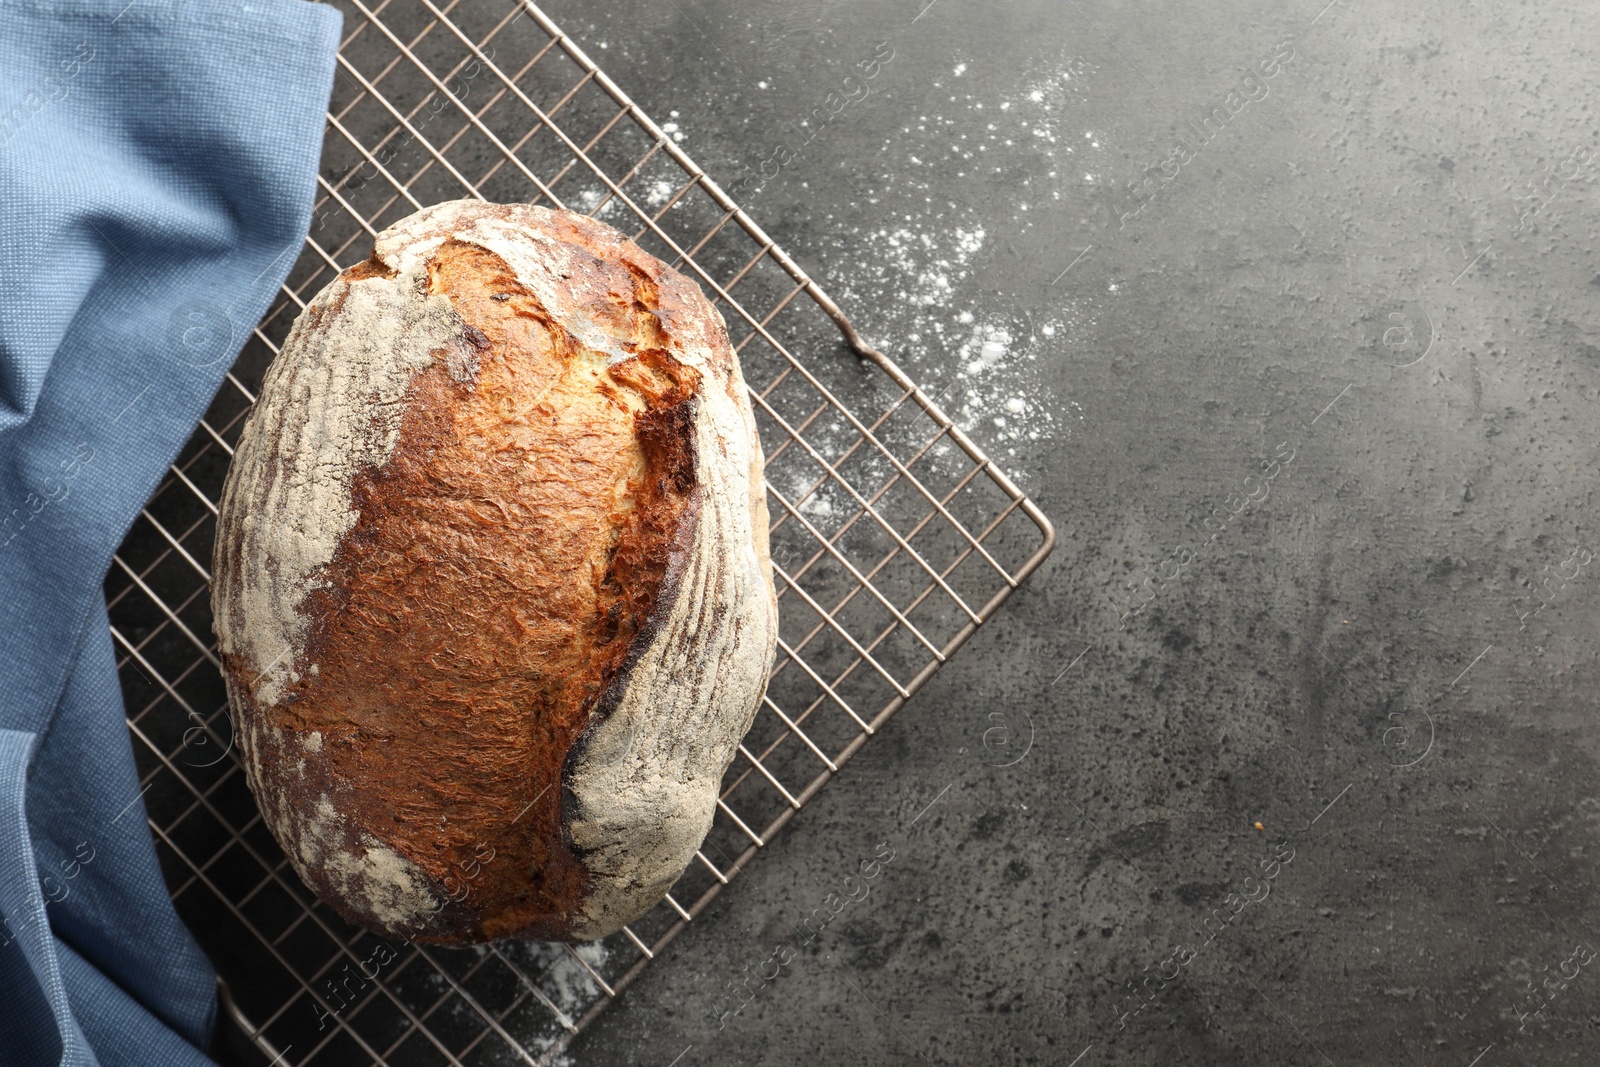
(893,536)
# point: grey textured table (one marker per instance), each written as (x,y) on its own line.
(1288,321)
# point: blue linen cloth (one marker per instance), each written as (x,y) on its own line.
(157,170)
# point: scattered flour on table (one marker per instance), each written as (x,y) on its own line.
(917,293)
(560,978)
(914,277)
(658,192)
(647,194)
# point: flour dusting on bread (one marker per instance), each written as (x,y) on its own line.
(496,526)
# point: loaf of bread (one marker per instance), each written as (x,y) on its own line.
(492,591)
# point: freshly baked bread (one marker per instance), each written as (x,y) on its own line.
(492,590)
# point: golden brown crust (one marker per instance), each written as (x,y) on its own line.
(492,588)
(440,632)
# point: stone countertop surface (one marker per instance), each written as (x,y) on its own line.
(1286,315)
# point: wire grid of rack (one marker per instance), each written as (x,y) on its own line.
(893,537)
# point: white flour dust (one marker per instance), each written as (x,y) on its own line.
(914,277)
(560,978)
(918,294)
